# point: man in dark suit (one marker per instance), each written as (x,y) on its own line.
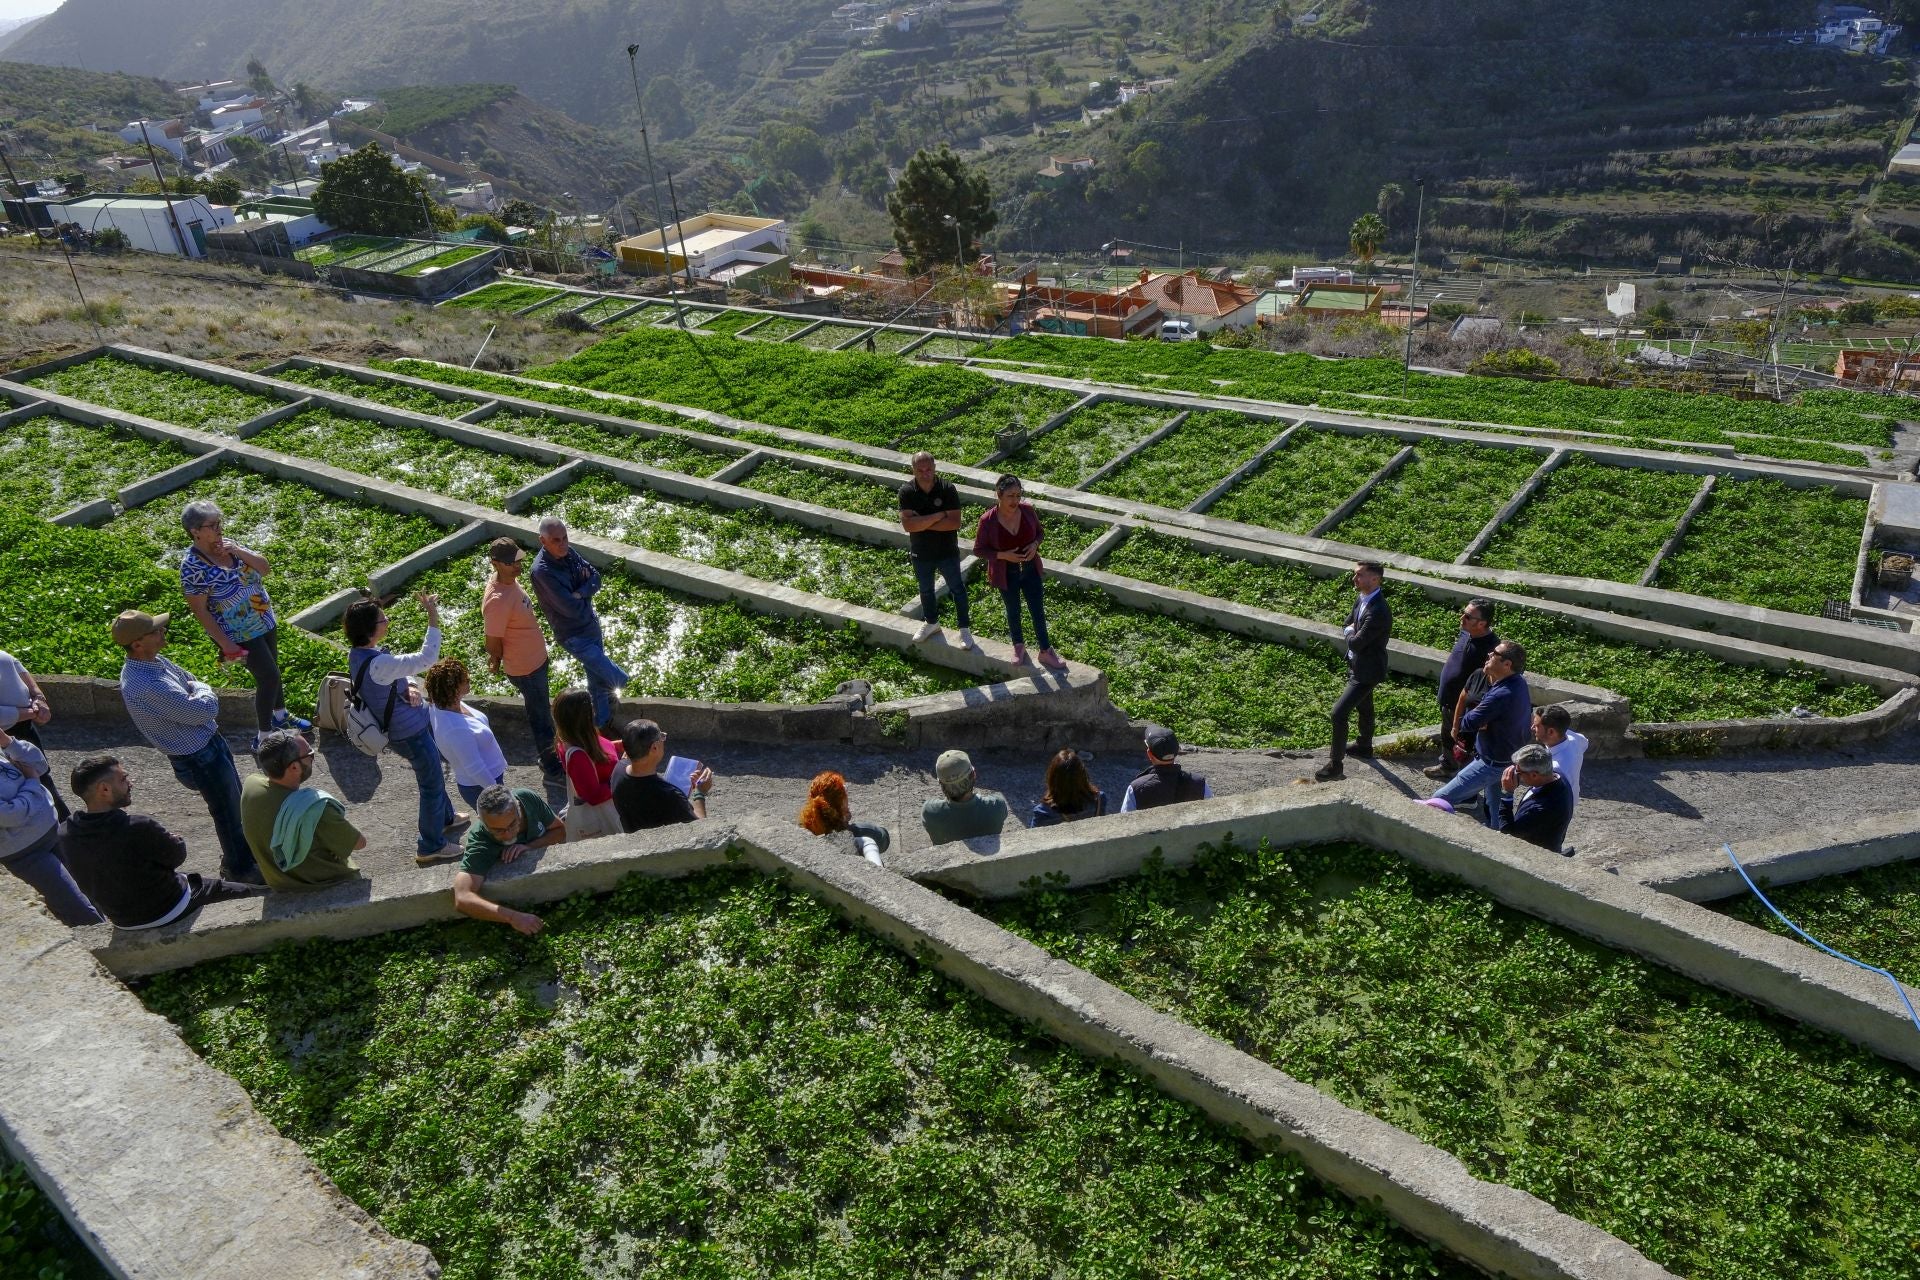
(1368,629)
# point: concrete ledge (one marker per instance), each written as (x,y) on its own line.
(1243,471)
(1700,737)
(254,426)
(141,492)
(159,1162)
(1679,533)
(321,615)
(1333,518)
(99,511)
(1512,507)
(1128,454)
(1794,858)
(552,482)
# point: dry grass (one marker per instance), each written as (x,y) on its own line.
(236,316)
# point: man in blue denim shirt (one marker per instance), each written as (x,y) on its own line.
(1500,724)
(565,583)
(180,715)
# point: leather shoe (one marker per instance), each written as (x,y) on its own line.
(1331,771)
(1439,772)
(1359,751)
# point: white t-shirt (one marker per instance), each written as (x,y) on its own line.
(1567,758)
(467,743)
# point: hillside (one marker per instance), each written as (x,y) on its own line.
(51,108)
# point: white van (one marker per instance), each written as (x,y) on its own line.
(1178,331)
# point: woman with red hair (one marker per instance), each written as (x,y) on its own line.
(826,811)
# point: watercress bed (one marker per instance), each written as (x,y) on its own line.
(404,455)
(165,395)
(50,464)
(717,1077)
(1302,482)
(502,296)
(1761,542)
(1087,441)
(1663,683)
(1721,1140)
(396,395)
(1435,504)
(1871,915)
(1202,451)
(1594,521)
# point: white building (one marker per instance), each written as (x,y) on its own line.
(217,93)
(251,111)
(147,223)
(168,135)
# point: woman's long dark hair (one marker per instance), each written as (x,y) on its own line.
(1069,786)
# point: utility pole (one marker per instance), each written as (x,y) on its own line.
(1413,281)
(679,224)
(653,180)
(172,216)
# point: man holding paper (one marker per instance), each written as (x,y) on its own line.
(646,794)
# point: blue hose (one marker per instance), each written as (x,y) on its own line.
(1897,988)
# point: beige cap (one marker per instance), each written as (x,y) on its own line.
(953,767)
(134,625)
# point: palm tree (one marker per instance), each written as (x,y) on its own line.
(1508,198)
(1366,236)
(1392,197)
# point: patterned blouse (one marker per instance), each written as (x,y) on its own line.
(236,596)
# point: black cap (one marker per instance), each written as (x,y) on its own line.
(1161,742)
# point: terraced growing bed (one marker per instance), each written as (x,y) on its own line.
(317,543)
(165,395)
(566,300)
(944,346)
(1762,542)
(563,397)
(829,336)
(718,1076)
(804,484)
(1722,1141)
(340,248)
(778,328)
(1435,504)
(1087,441)
(972,435)
(1176,470)
(404,455)
(442,260)
(1304,481)
(1593,521)
(650,314)
(502,296)
(396,395)
(1871,915)
(50,464)
(669,453)
(396,263)
(595,312)
(1218,689)
(678,646)
(750,541)
(1664,684)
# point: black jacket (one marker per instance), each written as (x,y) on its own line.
(1368,644)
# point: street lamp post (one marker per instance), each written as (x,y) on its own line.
(1413,282)
(959,245)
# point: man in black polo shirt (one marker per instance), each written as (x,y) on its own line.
(641,796)
(930,513)
(1471,646)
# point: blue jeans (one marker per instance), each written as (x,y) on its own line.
(436,811)
(39,865)
(1024,580)
(947,567)
(470,792)
(1481,777)
(210,771)
(535,691)
(603,677)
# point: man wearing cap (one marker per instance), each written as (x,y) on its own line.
(643,798)
(516,648)
(179,715)
(961,812)
(1543,816)
(566,584)
(1163,781)
(1369,628)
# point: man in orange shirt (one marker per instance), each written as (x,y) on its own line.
(516,646)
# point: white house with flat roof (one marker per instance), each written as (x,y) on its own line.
(147,223)
(711,243)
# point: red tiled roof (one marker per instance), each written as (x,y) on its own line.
(1189,294)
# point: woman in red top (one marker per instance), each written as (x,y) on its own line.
(588,757)
(1008,540)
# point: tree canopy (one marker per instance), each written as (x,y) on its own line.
(365,191)
(1366,236)
(941,208)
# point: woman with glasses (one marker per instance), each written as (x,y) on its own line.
(223,583)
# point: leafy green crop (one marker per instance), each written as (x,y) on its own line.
(35,1241)
(564,397)
(316,543)
(51,464)
(1215,688)
(404,455)
(397,395)
(1871,915)
(340,248)
(443,259)
(1087,441)
(806,485)
(1302,483)
(649,314)
(718,1076)
(829,336)
(164,395)
(60,589)
(595,312)
(1435,504)
(1175,470)
(1594,521)
(1761,542)
(1664,684)
(502,296)
(750,541)
(678,646)
(950,347)
(778,328)
(1719,1139)
(669,453)
(1014,406)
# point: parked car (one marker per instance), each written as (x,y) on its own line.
(1178,331)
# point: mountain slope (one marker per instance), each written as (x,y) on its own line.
(52,107)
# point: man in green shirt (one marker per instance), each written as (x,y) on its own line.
(962,812)
(314,852)
(513,821)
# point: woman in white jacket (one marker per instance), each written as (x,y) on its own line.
(462,733)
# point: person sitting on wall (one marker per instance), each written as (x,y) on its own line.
(512,821)
(1553,729)
(641,796)
(1071,794)
(827,810)
(127,864)
(962,812)
(299,834)
(1543,816)
(1163,781)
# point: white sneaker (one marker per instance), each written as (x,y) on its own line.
(927,631)
(966,639)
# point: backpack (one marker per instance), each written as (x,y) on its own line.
(342,709)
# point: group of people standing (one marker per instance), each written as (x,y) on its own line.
(1520,764)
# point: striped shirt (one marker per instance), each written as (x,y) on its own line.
(171,709)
